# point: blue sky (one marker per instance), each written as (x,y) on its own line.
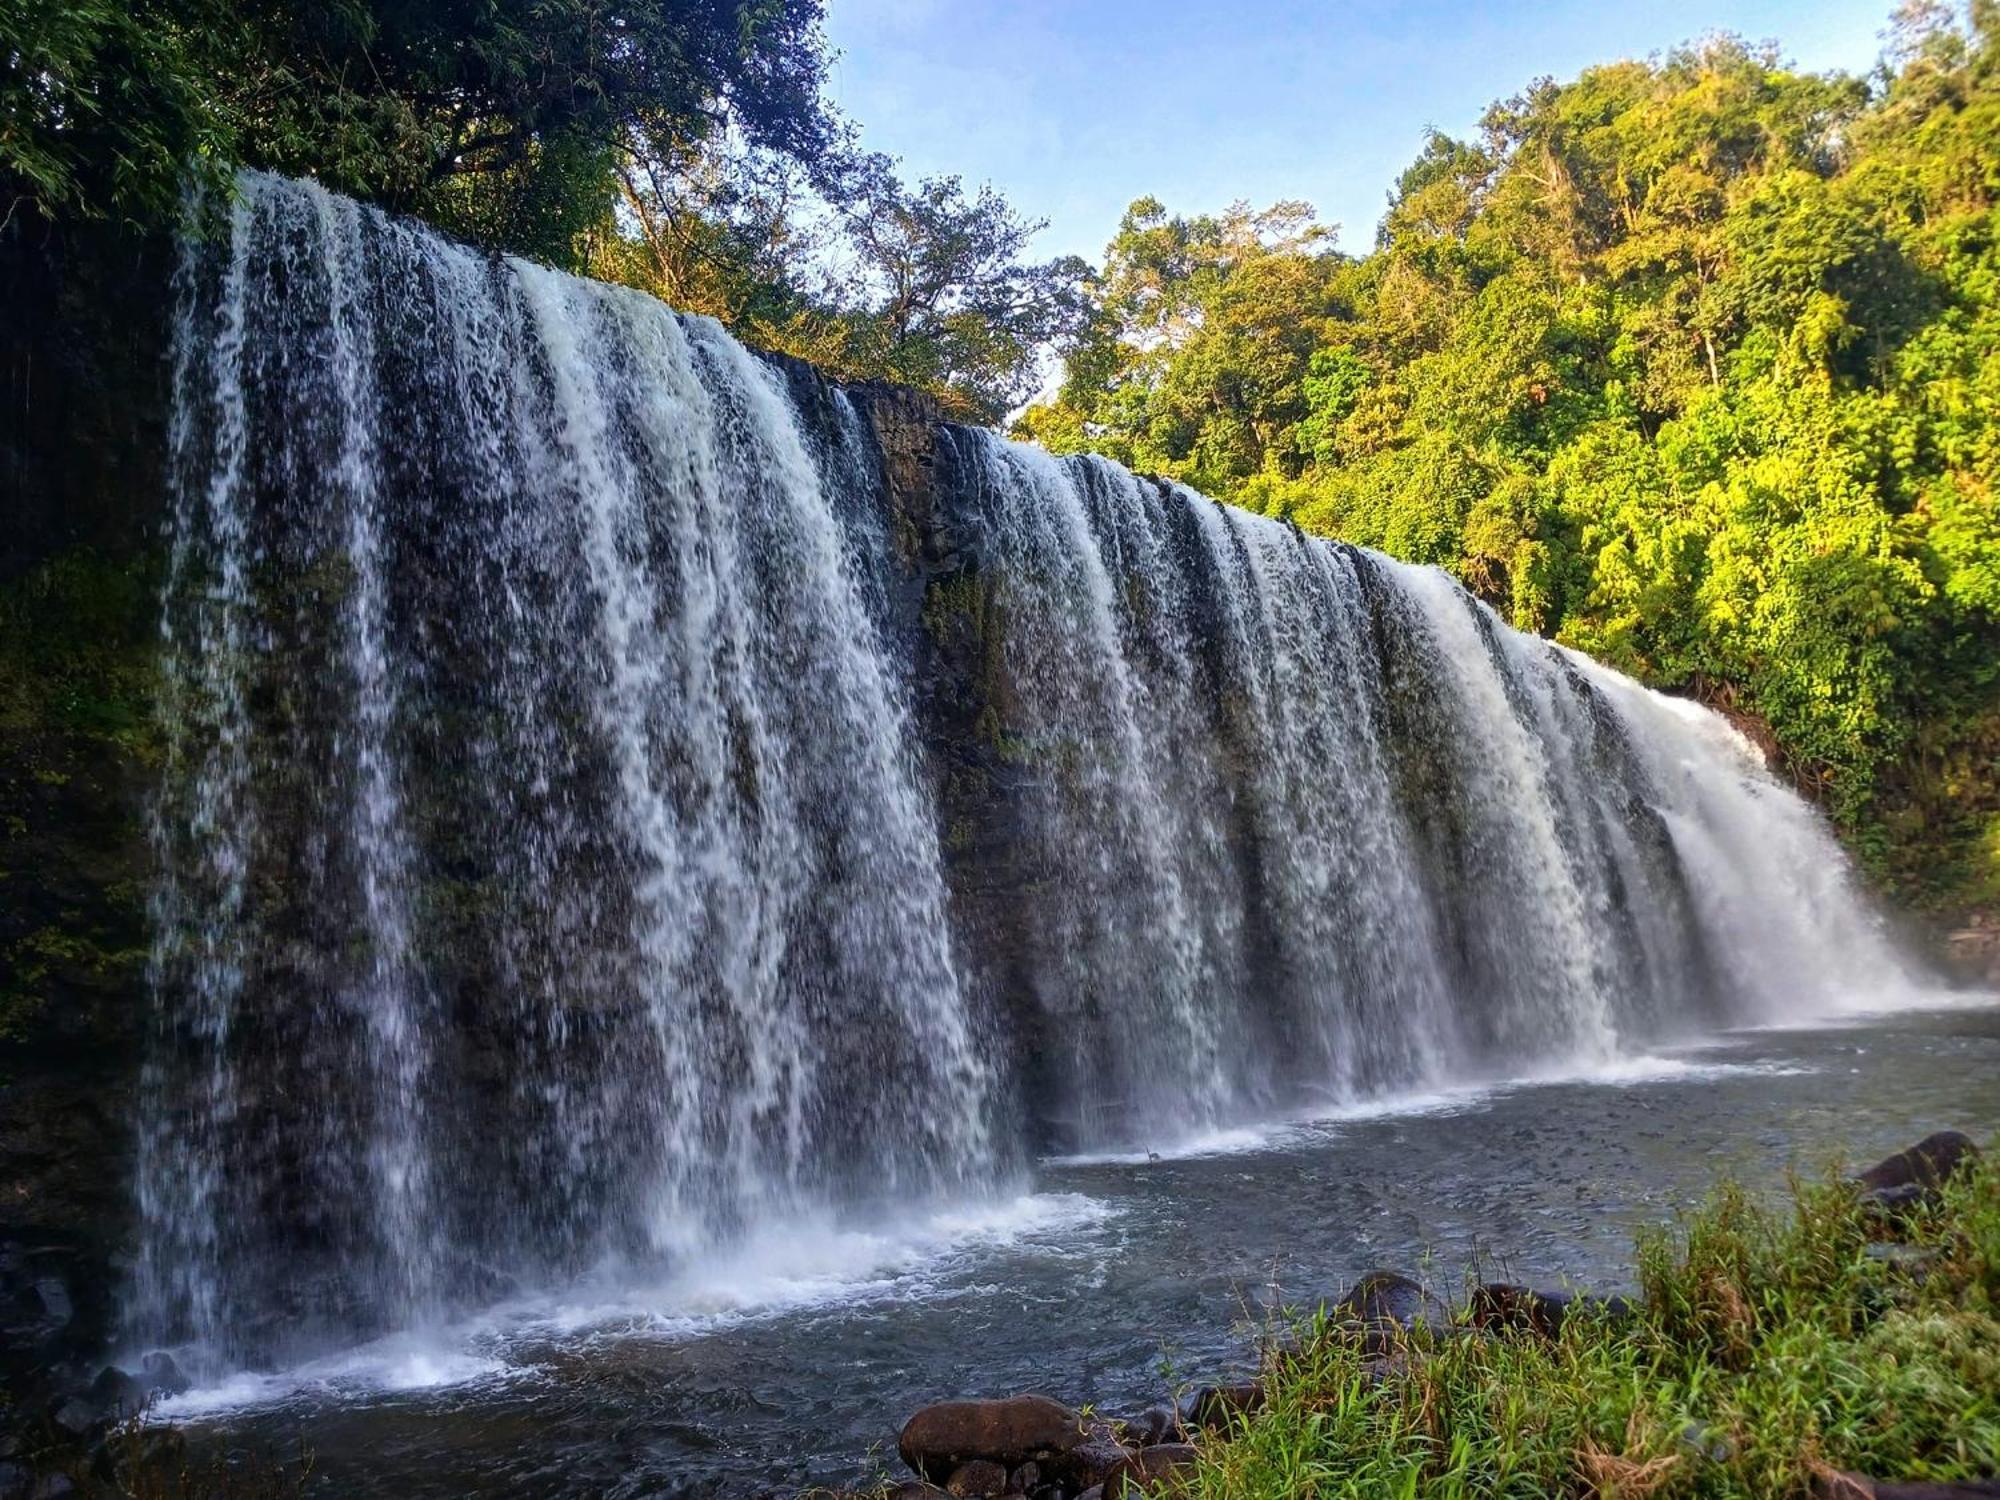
(1075,107)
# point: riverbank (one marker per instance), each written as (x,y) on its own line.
(1117,1283)
(1840,1343)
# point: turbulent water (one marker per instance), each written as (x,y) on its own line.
(604,825)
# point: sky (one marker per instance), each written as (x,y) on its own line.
(1073,108)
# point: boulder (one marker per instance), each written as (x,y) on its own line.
(1705,1444)
(1216,1406)
(1147,1471)
(118,1394)
(56,1305)
(1379,1369)
(976,1477)
(161,1375)
(77,1416)
(1383,1306)
(1914,1261)
(1156,1424)
(1083,1468)
(1009,1430)
(1919,1171)
(1611,1309)
(1894,1204)
(1026,1479)
(917,1489)
(1503,1307)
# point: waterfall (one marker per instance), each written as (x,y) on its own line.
(548,877)
(603,812)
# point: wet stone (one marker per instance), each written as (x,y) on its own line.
(1009,1431)
(55,1299)
(1155,1425)
(1216,1406)
(980,1476)
(1147,1469)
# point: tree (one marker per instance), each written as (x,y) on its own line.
(102,106)
(1689,362)
(506,121)
(946,301)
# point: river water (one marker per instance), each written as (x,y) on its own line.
(1116,1281)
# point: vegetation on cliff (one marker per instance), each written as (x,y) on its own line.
(686,148)
(75,696)
(1689,363)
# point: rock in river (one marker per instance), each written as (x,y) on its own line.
(1145,1470)
(1009,1430)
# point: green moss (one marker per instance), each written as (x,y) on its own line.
(958,600)
(78,655)
(964,615)
(70,951)
(78,673)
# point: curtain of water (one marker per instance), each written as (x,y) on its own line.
(552,863)
(512,637)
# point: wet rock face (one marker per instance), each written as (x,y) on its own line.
(83,382)
(1973,951)
(1006,1432)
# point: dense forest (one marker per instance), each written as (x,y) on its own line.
(1684,362)
(1688,363)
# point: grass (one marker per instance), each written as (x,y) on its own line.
(1770,1347)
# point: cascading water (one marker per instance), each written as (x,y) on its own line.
(547,877)
(596,821)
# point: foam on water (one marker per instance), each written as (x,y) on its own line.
(1311,1124)
(401,1364)
(813,1265)
(1225,1142)
(780,1270)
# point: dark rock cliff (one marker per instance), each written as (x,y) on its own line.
(82,435)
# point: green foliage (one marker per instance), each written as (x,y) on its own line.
(922,285)
(75,654)
(101,107)
(1689,363)
(503,121)
(682,146)
(77,676)
(1770,1346)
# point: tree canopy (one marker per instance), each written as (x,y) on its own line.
(683,145)
(1689,362)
